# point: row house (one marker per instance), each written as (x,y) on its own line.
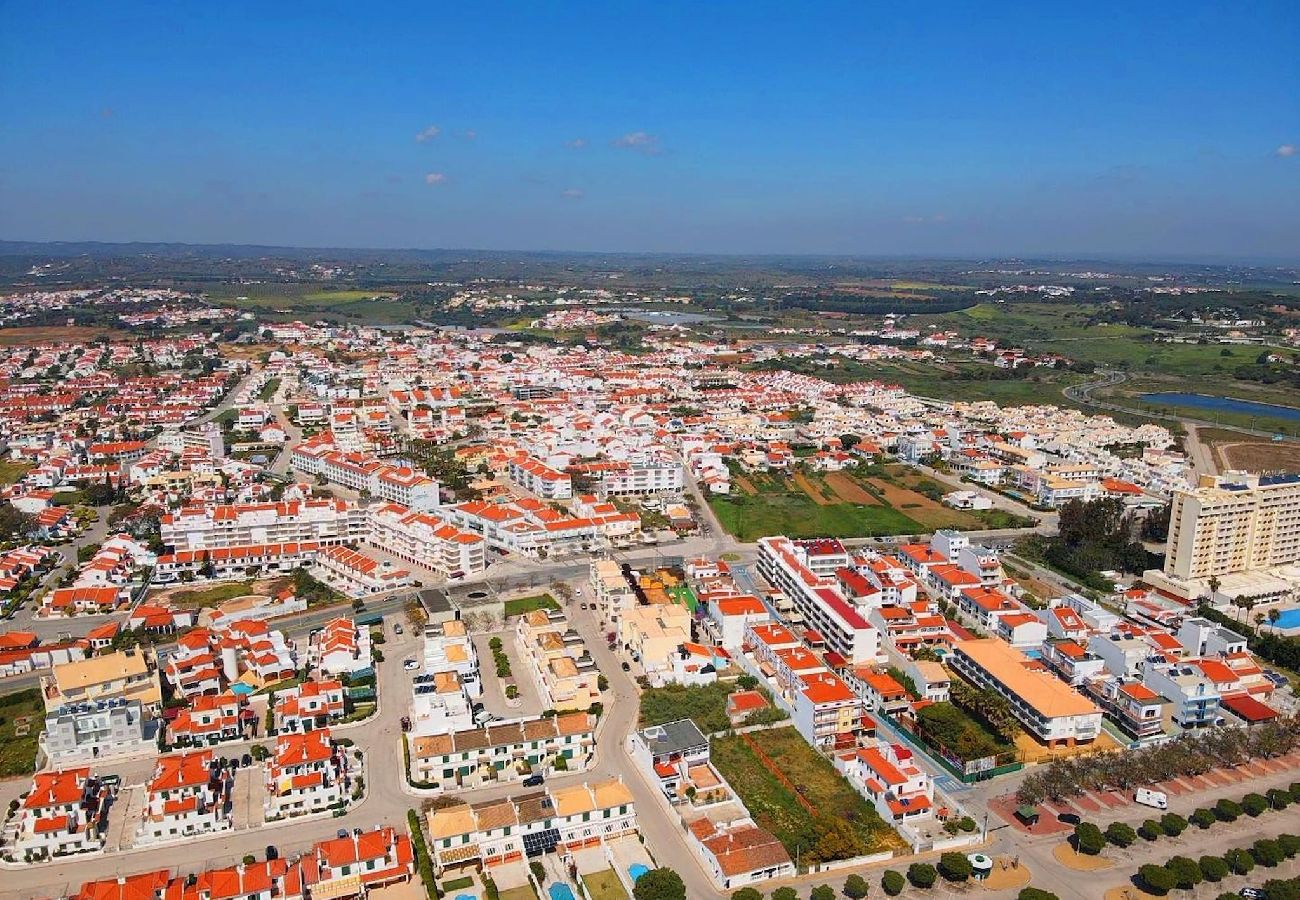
(64,813)
(211,719)
(540,479)
(310,706)
(502,831)
(357,575)
(501,752)
(225,563)
(307,774)
(188,795)
(341,647)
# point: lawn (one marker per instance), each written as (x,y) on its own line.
(604,886)
(845,824)
(18,752)
(523,892)
(269,389)
(706,705)
(795,514)
(521,605)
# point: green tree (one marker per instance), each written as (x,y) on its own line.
(892,883)
(1186,872)
(1239,861)
(1279,889)
(1227,811)
(822,892)
(747,893)
(855,887)
(1150,830)
(1173,824)
(1157,879)
(1204,818)
(1033,893)
(659,884)
(922,875)
(1214,868)
(1268,853)
(1254,804)
(1087,838)
(789,894)
(1289,843)
(1120,835)
(955,867)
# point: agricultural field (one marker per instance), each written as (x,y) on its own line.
(797,795)
(881,500)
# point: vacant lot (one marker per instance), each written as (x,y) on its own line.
(22,718)
(813,492)
(40,334)
(958,735)
(705,705)
(193,598)
(11,471)
(844,824)
(604,886)
(848,490)
(796,515)
(1255,455)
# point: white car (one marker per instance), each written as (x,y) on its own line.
(410,665)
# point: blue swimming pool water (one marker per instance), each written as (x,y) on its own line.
(466,897)
(636,870)
(1034,654)
(1288,618)
(561,892)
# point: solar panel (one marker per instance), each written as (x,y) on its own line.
(541,842)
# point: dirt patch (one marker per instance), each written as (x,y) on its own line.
(849,490)
(806,485)
(920,507)
(1007,875)
(1259,456)
(746,486)
(55,334)
(1032,751)
(1080,862)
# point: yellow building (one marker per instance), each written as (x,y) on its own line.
(124,675)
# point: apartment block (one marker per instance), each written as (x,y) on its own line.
(85,731)
(425,540)
(325,522)
(502,752)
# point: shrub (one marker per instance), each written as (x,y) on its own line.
(855,887)
(249,859)
(1268,853)
(892,883)
(922,875)
(1228,895)
(1120,835)
(747,893)
(822,892)
(1150,830)
(1157,879)
(1204,818)
(1239,861)
(1280,799)
(785,893)
(956,867)
(1173,824)
(1277,889)
(1254,804)
(1088,838)
(1033,893)
(1186,872)
(1214,868)
(966,824)
(1227,811)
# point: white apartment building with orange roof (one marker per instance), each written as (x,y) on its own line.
(732,616)
(326,522)
(887,775)
(309,706)
(448,648)
(425,540)
(341,647)
(538,478)
(557,659)
(826,710)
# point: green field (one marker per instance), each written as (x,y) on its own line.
(795,515)
(845,825)
(219,593)
(18,753)
(705,705)
(11,471)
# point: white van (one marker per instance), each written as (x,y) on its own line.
(1153,799)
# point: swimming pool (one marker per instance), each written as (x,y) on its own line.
(560,891)
(636,870)
(1288,618)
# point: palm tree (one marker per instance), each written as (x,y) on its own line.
(1214,584)
(1273,615)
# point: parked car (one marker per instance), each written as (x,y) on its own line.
(1253,893)
(627,667)
(271,852)
(397,628)
(406,723)
(483,718)
(343,832)
(1069,818)
(533,781)
(1153,799)
(246,760)
(409,664)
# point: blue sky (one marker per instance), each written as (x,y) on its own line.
(1157,129)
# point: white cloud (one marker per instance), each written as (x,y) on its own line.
(471,135)
(572,194)
(435,178)
(641,142)
(1287,150)
(427,134)
(576,143)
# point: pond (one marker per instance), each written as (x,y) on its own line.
(1223,404)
